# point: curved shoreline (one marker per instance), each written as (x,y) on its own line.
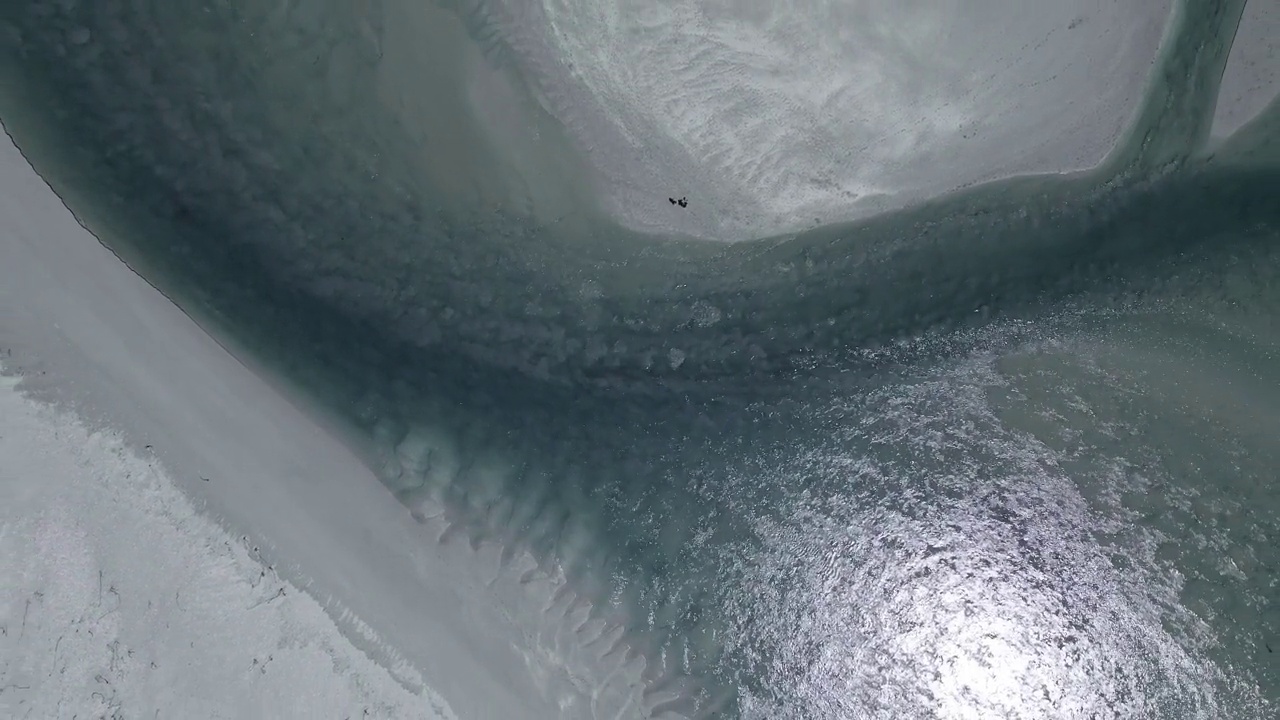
(595,397)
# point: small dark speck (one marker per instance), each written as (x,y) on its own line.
(204,478)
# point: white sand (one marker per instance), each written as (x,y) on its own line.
(770,116)
(117,599)
(128,583)
(1252,77)
(83,329)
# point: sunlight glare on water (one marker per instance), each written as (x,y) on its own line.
(988,450)
(960,573)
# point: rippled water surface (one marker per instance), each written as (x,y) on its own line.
(1009,452)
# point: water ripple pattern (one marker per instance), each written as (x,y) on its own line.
(973,418)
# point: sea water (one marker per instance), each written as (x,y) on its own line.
(1005,453)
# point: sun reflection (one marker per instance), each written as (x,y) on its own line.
(972,617)
(958,634)
(985,666)
(947,565)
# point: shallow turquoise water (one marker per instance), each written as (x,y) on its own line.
(1010,453)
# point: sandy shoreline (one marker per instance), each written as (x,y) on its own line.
(82,329)
(121,597)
